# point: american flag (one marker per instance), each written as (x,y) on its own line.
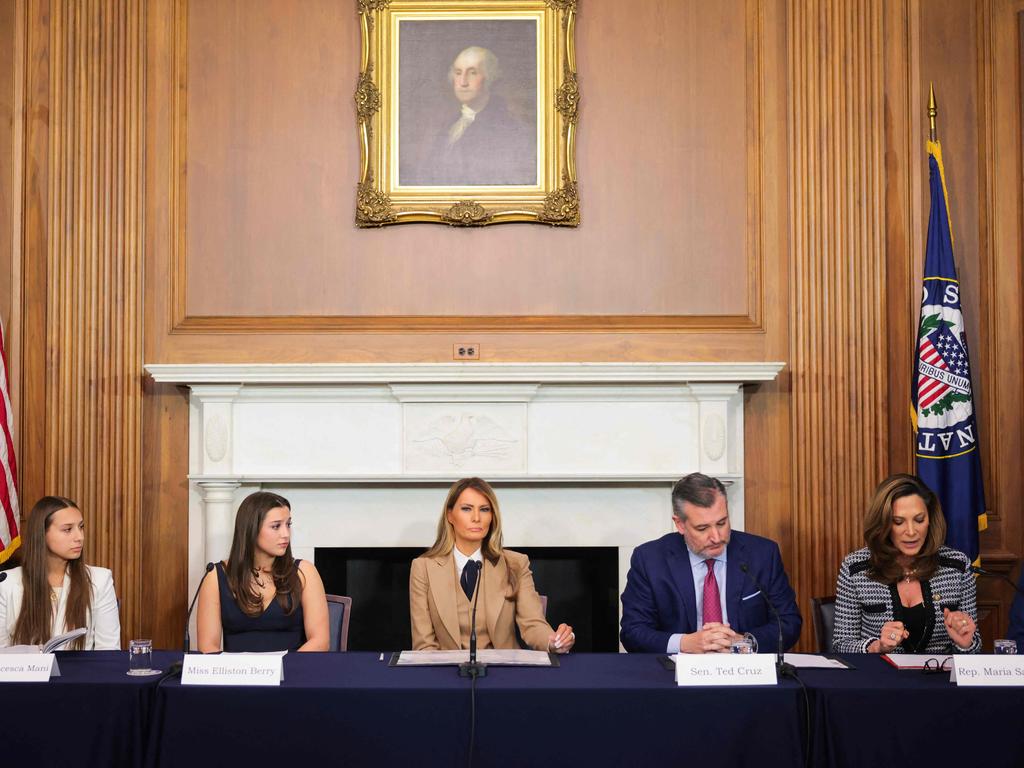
(946,354)
(9,512)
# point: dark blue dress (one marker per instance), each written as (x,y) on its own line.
(272,630)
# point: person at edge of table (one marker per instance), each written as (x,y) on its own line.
(444,579)
(699,589)
(54,591)
(1016,631)
(262,598)
(905,592)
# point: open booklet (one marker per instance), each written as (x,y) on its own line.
(53,644)
(495,656)
(939,661)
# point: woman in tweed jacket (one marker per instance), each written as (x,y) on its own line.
(905,592)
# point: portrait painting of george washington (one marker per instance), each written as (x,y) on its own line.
(467,103)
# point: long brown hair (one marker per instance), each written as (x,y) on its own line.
(241,566)
(878,529)
(35,622)
(491,546)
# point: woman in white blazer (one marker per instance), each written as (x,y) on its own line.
(54,591)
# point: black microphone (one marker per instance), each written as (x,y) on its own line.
(188,616)
(1004,577)
(3,575)
(783,668)
(474,668)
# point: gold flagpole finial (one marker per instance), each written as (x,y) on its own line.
(932,111)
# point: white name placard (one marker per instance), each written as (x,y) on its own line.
(28,667)
(232,669)
(725,669)
(987,670)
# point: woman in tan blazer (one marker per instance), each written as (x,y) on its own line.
(442,582)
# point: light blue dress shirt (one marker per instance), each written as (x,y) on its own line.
(700,572)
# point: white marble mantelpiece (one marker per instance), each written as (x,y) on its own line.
(398,373)
(583,454)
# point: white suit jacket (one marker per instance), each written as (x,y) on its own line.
(103,624)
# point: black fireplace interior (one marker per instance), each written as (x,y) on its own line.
(581,584)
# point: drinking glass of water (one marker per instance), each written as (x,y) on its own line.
(1005,646)
(140,657)
(745,644)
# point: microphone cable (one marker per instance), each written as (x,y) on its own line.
(472,720)
(807,720)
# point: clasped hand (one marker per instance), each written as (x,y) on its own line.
(960,627)
(562,640)
(893,633)
(713,637)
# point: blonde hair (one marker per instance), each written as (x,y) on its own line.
(490,547)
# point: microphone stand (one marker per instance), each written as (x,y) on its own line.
(782,667)
(473,668)
(177,666)
(1003,576)
(191,607)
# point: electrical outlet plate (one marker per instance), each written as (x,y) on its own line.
(468,350)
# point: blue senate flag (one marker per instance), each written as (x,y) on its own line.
(941,399)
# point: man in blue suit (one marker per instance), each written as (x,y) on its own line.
(698,590)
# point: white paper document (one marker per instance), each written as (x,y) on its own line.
(512,657)
(814,661)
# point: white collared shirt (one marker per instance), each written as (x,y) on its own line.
(461,560)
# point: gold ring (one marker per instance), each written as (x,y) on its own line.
(892,635)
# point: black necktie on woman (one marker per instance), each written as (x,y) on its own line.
(469,574)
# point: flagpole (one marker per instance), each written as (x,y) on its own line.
(932,111)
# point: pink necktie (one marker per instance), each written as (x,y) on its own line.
(712,603)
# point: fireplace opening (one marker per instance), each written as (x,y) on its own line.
(581,584)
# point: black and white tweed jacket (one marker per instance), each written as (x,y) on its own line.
(864,605)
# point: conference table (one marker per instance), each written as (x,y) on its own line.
(353,709)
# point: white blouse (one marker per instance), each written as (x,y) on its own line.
(102,622)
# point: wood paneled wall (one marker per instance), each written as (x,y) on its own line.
(838,347)
(753,182)
(12,67)
(82,425)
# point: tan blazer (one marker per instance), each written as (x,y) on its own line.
(434,610)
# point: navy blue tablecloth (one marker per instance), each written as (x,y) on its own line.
(879,715)
(596,709)
(93,714)
(600,710)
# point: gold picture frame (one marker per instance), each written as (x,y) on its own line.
(494,140)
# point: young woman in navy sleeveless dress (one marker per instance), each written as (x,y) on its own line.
(261,598)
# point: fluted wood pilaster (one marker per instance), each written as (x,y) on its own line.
(837,341)
(94,286)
